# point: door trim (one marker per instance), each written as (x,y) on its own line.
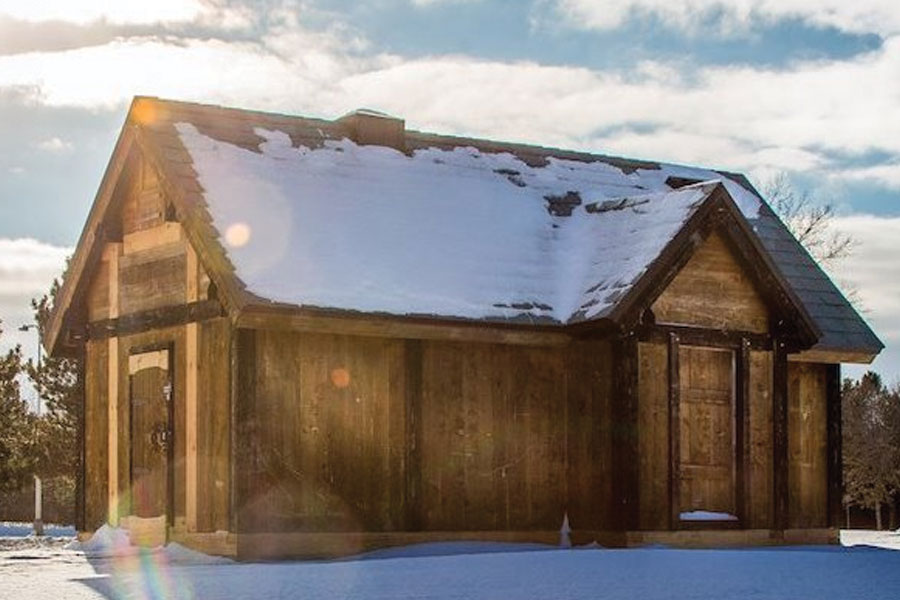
(155,357)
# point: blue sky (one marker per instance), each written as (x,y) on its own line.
(810,88)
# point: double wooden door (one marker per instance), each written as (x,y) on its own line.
(707,447)
(151,433)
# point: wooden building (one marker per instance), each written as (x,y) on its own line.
(309,337)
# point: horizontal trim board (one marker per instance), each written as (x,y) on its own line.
(833,356)
(698,336)
(398,328)
(157,318)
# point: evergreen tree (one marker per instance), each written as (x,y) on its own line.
(56,381)
(17,426)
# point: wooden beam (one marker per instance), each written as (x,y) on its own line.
(699,336)
(626,452)
(233,440)
(168,232)
(835,457)
(814,355)
(398,327)
(81,386)
(413,393)
(779,436)
(191,344)
(113,252)
(156,318)
(674,432)
(741,438)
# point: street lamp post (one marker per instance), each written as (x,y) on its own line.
(38,492)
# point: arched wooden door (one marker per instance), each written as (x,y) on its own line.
(150,394)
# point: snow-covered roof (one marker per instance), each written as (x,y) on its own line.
(453,233)
(412,223)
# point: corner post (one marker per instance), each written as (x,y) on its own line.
(779,436)
(741,433)
(81,442)
(674,432)
(835,456)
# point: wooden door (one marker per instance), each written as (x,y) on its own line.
(151,432)
(706,430)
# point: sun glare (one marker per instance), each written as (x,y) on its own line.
(237,235)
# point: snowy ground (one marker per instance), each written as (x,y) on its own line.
(467,571)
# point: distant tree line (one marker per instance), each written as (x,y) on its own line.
(871,443)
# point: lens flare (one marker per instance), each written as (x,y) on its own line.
(340,378)
(237,235)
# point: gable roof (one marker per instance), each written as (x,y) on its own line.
(291,211)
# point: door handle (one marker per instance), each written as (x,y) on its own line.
(159,437)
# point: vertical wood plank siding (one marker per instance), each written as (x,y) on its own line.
(653,434)
(626,436)
(247,435)
(412,466)
(342,433)
(589,388)
(808,460)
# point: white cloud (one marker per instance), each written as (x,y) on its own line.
(120,11)
(860,16)
(55,145)
(436,2)
(874,272)
(749,118)
(887,175)
(27,268)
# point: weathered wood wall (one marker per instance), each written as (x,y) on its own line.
(144,205)
(712,290)
(653,435)
(494,433)
(589,387)
(355,433)
(213,425)
(759,494)
(807,446)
